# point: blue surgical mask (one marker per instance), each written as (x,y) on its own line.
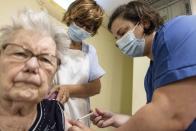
(77,33)
(130,45)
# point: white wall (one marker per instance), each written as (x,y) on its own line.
(9,7)
(140,66)
(193,6)
(116,84)
(173,9)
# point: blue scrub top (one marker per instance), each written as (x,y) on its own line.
(174,55)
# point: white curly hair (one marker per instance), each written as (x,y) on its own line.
(38,21)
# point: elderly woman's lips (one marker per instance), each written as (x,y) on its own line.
(35,80)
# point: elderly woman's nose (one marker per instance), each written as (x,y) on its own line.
(32,65)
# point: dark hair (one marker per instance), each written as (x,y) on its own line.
(136,11)
(86,12)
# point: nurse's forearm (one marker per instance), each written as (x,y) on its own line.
(85,90)
(120,119)
(148,118)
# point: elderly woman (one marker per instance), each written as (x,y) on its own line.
(29,58)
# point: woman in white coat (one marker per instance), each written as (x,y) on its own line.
(79,74)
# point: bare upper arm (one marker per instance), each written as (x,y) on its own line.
(178,100)
(173,107)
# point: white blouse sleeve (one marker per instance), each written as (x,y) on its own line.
(96,71)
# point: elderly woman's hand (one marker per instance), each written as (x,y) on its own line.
(78,126)
(60,93)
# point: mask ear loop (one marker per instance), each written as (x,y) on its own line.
(143,32)
(135,27)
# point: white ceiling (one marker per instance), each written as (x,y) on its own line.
(110,5)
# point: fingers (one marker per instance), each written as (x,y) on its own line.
(74,128)
(97,119)
(104,123)
(78,126)
(100,123)
(102,118)
(99,111)
(52,96)
(64,98)
(106,114)
(53,92)
(60,95)
(76,123)
(107,123)
(95,116)
(54,89)
(63,95)
(71,122)
(96,113)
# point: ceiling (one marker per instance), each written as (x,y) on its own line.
(58,12)
(108,5)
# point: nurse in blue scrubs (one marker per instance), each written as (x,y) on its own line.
(170,82)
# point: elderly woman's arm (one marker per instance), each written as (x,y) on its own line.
(172,109)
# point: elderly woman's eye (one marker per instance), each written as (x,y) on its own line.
(45,60)
(20,54)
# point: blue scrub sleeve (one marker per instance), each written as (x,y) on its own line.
(174,51)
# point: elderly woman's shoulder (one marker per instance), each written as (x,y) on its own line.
(50,116)
(51,105)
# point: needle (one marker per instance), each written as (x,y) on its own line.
(87,115)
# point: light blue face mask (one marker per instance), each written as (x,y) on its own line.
(77,33)
(130,45)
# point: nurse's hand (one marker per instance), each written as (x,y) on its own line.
(60,93)
(78,126)
(104,119)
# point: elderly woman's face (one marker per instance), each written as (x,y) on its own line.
(27,66)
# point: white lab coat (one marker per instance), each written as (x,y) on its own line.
(75,70)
